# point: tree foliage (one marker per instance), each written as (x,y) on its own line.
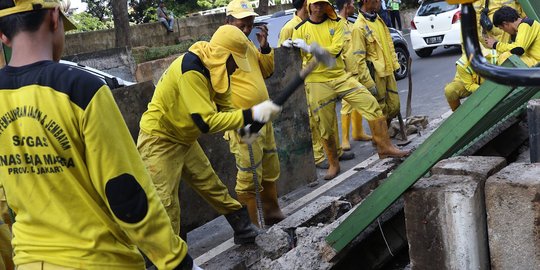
(88,22)
(143,11)
(102,10)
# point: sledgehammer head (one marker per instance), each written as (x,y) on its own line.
(322,55)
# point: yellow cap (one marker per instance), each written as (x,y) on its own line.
(240,9)
(235,41)
(30,5)
(330,12)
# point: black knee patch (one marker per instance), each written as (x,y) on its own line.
(127,198)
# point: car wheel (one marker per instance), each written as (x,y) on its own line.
(403,60)
(424,52)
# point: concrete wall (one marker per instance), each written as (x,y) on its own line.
(150,34)
(291,130)
(118,62)
(445,215)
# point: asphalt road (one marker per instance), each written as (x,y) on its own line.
(429,76)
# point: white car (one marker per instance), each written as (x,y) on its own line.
(435,24)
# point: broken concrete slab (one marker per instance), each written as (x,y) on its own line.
(274,242)
(446,227)
(513,214)
(477,166)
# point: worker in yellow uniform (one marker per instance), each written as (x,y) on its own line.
(247,90)
(191,98)
(299,15)
(376,57)
(484,14)
(68,166)
(285,36)
(526,31)
(6,252)
(346,9)
(466,81)
(325,85)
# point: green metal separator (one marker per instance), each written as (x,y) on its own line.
(484,110)
(489,105)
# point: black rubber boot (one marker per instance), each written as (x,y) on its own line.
(244,231)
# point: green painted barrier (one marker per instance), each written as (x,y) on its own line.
(484,109)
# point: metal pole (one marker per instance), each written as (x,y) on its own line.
(533,116)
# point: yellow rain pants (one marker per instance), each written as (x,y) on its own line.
(168,162)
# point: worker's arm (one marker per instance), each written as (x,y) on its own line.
(196,97)
(359,51)
(348,58)
(468,81)
(266,61)
(336,49)
(390,43)
(120,178)
(524,39)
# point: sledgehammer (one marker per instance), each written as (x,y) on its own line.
(321,56)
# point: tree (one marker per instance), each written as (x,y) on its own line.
(207,4)
(121,23)
(87,22)
(263,7)
(99,9)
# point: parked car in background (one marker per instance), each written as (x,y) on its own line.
(277,20)
(435,24)
(111,80)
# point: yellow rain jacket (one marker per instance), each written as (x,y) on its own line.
(528,39)
(329,35)
(347,45)
(72,175)
(288,28)
(193,97)
(495,5)
(372,42)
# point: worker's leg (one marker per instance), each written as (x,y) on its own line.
(362,100)
(346,111)
(392,96)
(270,174)
(452,92)
(322,103)
(164,161)
(199,174)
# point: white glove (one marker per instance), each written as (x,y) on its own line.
(265,111)
(248,137)
(196,267)
(287,43)
(300,43)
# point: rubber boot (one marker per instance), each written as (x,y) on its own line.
(332,155)
(454,104)
(244,231)
(322,165)
(358,133)
(250,202)
(385,148)
(345,126)
(346,156)
(272,212)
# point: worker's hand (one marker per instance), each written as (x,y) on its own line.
(262,36)
(490,41)
(373,91)
(287,43)
(265,111)
(300,43)
(246,136)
